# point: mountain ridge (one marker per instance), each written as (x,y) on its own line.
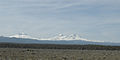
(35,41)
(56,38)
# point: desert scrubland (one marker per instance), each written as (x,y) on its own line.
(57,54)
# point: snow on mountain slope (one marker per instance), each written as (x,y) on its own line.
(56,38)
(22,35)
(68,38)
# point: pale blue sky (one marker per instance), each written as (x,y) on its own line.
(93,19)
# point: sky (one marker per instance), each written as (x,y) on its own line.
(92,19)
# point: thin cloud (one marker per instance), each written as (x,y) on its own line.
(52,16)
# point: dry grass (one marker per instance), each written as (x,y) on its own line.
(55,54)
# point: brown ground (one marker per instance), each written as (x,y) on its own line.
(55,54)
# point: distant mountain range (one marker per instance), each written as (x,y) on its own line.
(56,38)
(60,39)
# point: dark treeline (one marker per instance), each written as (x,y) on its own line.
(59,46)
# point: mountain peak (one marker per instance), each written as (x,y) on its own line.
(68,38)
(57,38)
(21,35)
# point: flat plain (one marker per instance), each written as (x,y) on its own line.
(57,54)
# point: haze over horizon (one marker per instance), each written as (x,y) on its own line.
(93,19)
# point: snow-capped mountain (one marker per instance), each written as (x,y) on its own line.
(60,39)
(68,38)
(22,35)
(56,38)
